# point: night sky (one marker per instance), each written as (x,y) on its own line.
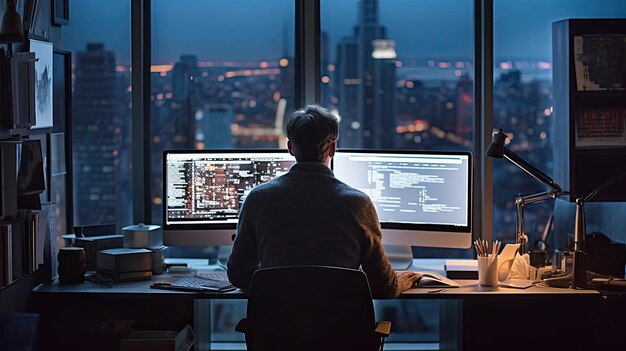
(253,29)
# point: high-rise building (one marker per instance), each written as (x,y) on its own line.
(100,134)
(366,77)
(213,124)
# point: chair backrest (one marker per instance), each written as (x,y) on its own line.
(310,308)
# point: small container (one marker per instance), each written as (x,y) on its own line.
(488,271)
(143,236)
(72,265)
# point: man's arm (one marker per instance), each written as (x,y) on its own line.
(243,259)
(382,278)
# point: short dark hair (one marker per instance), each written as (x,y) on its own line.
(311,131)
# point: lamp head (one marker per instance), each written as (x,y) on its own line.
(11,30)
(496,148)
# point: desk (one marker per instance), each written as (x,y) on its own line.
(509,318)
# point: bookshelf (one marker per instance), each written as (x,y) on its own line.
(589,85)
(33,232)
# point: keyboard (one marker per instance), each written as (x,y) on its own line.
(199,284)
(213,275)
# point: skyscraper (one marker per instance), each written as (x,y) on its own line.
(100,129)
(366,82)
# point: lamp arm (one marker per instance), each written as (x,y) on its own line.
(531,170)
(537,197)
(520,202)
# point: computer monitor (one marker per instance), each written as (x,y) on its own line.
(203,190)
(423,198)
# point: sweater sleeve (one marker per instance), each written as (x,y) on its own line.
(243,260)
(382,278)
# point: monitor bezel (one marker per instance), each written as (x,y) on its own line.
(201,234)
(458,236)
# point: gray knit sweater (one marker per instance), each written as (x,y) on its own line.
(308,217)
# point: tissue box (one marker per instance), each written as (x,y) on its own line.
(143,236)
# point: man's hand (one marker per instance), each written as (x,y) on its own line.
(406,279)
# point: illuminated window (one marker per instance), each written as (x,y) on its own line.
(99,37)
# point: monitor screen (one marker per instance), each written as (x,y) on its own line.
(203,191)
(422,198)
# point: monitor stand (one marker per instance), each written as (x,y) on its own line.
(400,256)
(223,253)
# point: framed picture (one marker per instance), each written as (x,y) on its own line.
(43,83)
(60,12)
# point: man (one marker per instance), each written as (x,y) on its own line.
(308,217)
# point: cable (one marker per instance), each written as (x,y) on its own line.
(603,186)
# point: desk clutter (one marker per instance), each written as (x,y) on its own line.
(137,254)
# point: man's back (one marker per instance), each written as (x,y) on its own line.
(311,218)
(308,217)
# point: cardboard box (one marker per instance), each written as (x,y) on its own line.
(147,340)
(93,244)
(143,236)
(124,260)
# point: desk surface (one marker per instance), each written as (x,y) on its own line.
(468,289)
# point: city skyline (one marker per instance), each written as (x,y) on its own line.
(520,31)
(198,103)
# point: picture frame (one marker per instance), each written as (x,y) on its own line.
(44,74)
(60,12)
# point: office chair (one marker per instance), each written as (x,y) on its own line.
(18,331)
(311,308)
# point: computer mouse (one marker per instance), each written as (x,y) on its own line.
(552,273)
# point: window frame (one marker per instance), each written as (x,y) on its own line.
(307,90)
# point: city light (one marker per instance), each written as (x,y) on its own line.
(161,68)
(383,49)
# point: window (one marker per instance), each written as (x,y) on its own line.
(99,37)
(222,77)
(523,100)
(399,73)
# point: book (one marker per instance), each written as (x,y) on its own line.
(461,269)
(125,276)
(122,260)
(6,255)
(8,177)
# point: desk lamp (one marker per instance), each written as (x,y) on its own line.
(498,150)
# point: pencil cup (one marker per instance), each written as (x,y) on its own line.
(488,271)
